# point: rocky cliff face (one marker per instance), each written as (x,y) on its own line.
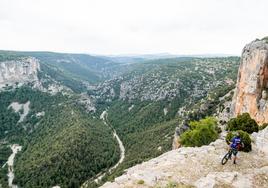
(201,167)
(252,82)
(19,71)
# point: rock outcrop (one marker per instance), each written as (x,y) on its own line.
(24,70)
(201,167)
(184,126)
(19,71)
(252,82)
(22,109)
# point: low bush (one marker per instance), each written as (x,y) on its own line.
(172,184)
(244,137)
(263,126)
(265,39)
(201,133)
(140,182)
(243,122)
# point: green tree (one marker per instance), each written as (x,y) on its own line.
(202,132)
(243,122)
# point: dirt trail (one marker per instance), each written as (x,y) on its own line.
(104,116)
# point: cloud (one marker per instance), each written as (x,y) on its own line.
(128,26)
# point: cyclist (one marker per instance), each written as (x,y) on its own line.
(236,144)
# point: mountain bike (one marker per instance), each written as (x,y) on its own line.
(227,156)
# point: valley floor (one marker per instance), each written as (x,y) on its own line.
(201,167)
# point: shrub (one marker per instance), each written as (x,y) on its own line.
(243,122)
(172,184)
(263,126)
(201,133)
(140,182)
(265,39)
(244,137)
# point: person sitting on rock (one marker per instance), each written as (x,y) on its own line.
(236,145)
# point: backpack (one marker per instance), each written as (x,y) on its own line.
(239,146)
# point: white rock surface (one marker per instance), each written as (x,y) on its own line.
(261,141)
(87,102)
(19,71)
(201,167)
(17,107)
(131,107)
(15,149)
(40,114)
(165,111)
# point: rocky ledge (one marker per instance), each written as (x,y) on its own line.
(201,167)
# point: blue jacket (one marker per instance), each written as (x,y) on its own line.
(236,141)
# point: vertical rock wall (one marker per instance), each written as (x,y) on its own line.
(252,82)
(19,71)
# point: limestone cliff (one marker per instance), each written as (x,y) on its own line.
(252,82)
(19,71)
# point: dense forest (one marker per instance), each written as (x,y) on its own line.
(64,147)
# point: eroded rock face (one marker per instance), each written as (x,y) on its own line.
(184,126)
(252,82)
(19,71)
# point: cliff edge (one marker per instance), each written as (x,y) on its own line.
(201,167)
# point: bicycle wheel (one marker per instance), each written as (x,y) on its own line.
(225,159)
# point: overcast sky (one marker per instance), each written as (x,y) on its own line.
(132,26)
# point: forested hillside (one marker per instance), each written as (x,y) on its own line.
(64,146)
